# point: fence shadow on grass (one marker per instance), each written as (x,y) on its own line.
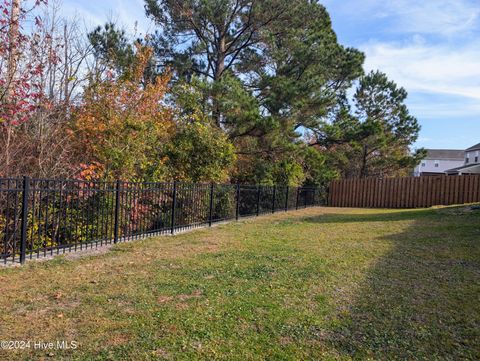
(421,299)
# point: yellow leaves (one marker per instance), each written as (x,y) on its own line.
(91,171)
(142,57)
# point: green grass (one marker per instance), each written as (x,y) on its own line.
(334,283)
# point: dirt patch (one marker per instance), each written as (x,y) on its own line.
(179,298)
(164,299)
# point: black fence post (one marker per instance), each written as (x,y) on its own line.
(174,204)
(210,213)
(273,198)
(117,211)
(286,200)
(298,194)
(237,209)
(258,200)
(23,235)
(305,199)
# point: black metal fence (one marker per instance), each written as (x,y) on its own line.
(40,217)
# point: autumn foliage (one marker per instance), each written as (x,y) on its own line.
(120,124)
(211,95)
(20,70)
(126,129)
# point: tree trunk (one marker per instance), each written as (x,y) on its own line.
(11,70)
(66,97)
(12,49)
(219,69)
(363,170)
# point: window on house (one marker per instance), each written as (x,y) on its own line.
(467,158)
(423,164)
(437,162)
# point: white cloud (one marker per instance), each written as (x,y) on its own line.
(129,14)
(438,17)
(449,107)
(444,68)
(87,18)
(444,17)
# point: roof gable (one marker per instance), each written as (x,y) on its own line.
(475,147)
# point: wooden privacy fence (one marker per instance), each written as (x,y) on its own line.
(409,192)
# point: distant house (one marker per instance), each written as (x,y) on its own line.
(438,161)
(471,163)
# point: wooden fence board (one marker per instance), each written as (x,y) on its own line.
(409,192)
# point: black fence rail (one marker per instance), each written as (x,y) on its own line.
(40,217)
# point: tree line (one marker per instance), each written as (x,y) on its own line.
(243,91)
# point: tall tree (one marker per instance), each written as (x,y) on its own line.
(211,36)
(215,33)
(8,84)
(111,48)
(272,74)
(388,127)
(374,138)
(298,75)
(20,73)
(302,72)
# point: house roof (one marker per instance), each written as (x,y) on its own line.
(475,147)
(445,154)
(463,167)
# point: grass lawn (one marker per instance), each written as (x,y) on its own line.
(318,284)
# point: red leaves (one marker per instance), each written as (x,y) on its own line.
(20,76)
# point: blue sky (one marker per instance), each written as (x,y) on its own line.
(430,47)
